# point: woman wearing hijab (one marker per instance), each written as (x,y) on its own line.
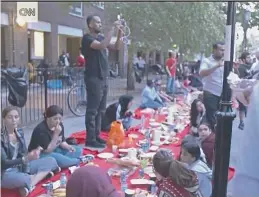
(50,135)
(173,177)
(118,111)
(90,181)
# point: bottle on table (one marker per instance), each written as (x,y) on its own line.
(142,122)
(141,173)
(63,180)
(49,189)
(123,181)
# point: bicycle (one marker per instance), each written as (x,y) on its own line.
(77,99)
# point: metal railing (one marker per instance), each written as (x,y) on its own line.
(49,86)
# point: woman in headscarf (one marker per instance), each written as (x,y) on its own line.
(90,181)
(173,177)
(246,179)
(118,111)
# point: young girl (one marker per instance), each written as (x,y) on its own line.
(118,111)
(191,155)
(20,168)
(198,114)
(50,135)
(173,177)
(207,138)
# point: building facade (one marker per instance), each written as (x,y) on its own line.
(60,27)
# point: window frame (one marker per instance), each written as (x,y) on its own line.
(74,14)
(99,4)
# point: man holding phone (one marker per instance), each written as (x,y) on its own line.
(94,47)
(212,71)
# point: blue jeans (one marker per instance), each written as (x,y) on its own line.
(170,85)
(65,158)
(126,122)
(151,104)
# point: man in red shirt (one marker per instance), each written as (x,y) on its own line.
(170,66)
(80,61)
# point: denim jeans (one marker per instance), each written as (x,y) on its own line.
(65,158)
(126,122)
(97,91)
(170,85)
(151,104)
(211,103)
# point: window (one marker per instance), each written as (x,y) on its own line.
(38,44)
(76,9)
(99,4)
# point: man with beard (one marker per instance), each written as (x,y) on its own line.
(212,73)
(243,71)
(94,47)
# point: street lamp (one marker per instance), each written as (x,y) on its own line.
(225,115)
(247,16)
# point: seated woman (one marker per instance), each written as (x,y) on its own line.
(20,168)
(150,98)
(97,183)
(207,138)
(191,155)
(198,114)
(173,177)
(165,97)
(49,134)
(118,111)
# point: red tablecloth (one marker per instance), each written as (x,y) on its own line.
(80,137)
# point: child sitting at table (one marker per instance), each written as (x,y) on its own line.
(173,177)
(207,139)
(20,168)
(191,155)
(118,111)
(50,135)
(90,181)
(149,97)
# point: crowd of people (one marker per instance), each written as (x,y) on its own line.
(188,175)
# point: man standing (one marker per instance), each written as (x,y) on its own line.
(212,73)
(243,71)
(96,76)
(170,65)
(255,66)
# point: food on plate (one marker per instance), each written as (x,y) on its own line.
(91,164)
(60,192)
(122,162)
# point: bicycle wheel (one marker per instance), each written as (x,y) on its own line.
(76,100)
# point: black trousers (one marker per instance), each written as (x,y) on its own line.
(97,90)
(211,103)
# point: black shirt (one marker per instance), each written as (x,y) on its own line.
(243,70)
(96,60)
(42,136)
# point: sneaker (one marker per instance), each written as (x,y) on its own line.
(57,170)
(94,144)
(49,175)
(100,140)
(241,126)
(24,192)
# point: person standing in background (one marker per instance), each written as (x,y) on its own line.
(80,61)
(211,71)
(96,76)
(243,71)
(170,65)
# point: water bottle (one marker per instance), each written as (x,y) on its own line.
(123,180)
(153,189)
(142,122)
(49,189)
(141,173)
(63,180)
(147,137)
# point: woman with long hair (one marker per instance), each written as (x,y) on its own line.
(207,139)
(198,114)
(50,135)
(191,155)
(20,168)
(173,177)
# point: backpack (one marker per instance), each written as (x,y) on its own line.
(17,89)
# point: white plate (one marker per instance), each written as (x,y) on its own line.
(134,136)
(122,150)
(156,143)
(141,182)
(105,155)
(153,148)
(154,124)
(147,155)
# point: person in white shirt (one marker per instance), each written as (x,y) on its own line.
(149,97)
(255,66)
(212,73)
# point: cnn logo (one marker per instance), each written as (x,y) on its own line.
(27,12)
